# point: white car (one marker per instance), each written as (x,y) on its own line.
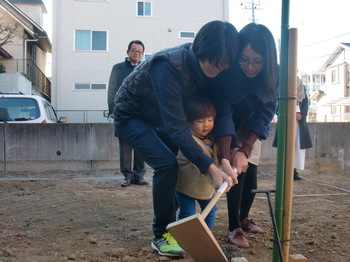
(18,108)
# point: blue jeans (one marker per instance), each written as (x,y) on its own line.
(159,153)
(188,208)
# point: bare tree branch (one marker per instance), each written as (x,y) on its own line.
(8,31)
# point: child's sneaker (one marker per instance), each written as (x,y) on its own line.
(167,246)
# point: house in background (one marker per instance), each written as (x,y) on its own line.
(25,56)
(332,99)
(89,37)
(314,83)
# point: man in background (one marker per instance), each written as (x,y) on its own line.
(132,164)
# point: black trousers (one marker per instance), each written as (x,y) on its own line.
(132,164)
(240,198)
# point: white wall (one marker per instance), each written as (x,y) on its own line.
(119,19)
(15,83)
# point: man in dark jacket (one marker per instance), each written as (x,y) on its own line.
(149,115)
(133,173)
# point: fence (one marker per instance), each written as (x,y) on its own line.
(39,81)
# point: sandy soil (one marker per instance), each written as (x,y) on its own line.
(87,216)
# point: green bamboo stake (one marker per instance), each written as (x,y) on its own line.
(282,126)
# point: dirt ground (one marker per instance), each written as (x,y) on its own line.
(88,216)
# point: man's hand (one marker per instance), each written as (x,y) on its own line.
(111,116)
(226,166)
(218,177)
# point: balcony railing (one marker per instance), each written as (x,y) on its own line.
(39,81)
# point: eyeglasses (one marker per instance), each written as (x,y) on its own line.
(136,52)
(246,62)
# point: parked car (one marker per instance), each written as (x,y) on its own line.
(18,108)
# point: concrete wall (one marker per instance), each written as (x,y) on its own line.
(45,147)
(15,83)
(330,151)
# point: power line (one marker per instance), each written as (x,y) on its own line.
(326,40)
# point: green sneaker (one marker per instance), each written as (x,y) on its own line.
(167,246)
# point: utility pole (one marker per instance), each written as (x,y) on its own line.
(251,5)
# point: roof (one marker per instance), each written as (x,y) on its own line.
(27,1)
(33,29)
(340,101)
(4,54)
(335,55)
(346,44)
(30,2)
(318,95)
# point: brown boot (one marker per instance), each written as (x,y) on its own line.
(236,238)
(249,226)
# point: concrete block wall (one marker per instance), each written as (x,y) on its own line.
(330,151)
(47,147)
(43,147)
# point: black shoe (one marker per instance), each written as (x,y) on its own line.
(140,182)
(126,183)
(297,176)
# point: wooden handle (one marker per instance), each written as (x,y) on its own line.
(215,199)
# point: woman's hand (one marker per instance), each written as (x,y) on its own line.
(226,166)
(239,161)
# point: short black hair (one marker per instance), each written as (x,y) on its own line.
(215,41)
(198,106)
(138,42)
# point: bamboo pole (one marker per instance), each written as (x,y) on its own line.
(290,143)
(282,126)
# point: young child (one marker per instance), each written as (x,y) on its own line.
(191,185)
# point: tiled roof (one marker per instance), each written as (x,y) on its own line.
(346,44)
(27,1)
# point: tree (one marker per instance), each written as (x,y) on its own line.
(8,31)
(2,68)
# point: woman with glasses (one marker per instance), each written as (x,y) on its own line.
(244,117)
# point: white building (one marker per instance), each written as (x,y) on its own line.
(314,83)
(333,101)
(89,37)
(25,55)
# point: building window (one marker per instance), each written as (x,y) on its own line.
(86,40)
(184,34)
(86,86)
(335,78)
(144,8)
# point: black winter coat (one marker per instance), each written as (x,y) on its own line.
(305,138)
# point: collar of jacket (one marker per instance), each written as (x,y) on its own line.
(128,62)
(193,62)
